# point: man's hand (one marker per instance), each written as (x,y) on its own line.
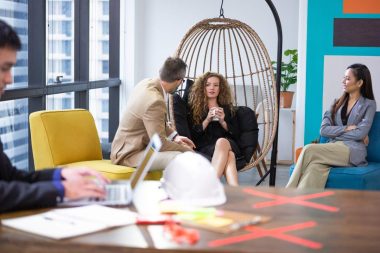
(184,141)
(83,182)
(74,173)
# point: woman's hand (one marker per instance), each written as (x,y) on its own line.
(208,119)
(350,127)
(210,115)
(219,113)
(366,140)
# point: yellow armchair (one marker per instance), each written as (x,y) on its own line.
(69,138)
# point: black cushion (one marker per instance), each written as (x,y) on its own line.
(180,110)
(186,93)
(249,131)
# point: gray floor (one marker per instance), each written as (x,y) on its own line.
(251,177)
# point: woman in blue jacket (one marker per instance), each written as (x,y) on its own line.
(347,125)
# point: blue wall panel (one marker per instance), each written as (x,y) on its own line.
(320,24)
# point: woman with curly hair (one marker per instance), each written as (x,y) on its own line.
(213,127)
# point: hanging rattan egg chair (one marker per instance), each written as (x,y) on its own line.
(234,49)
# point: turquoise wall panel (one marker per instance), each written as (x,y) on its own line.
(320,23)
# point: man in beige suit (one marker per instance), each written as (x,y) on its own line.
(145,115)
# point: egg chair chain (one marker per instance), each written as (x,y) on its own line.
(221,12)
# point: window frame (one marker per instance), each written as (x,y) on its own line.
(37,88)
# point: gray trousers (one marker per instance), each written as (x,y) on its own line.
(313,165)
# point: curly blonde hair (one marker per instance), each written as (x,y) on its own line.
(198,100)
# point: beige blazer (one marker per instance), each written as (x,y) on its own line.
(144,115)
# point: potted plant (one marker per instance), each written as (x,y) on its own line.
(288,77)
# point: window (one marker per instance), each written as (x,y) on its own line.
(105,105)
(105,47)
(41,92)
(61,48)
(16,15)
(20,79)
(60,41)
(67,103)
(105,27)
(14,113)
(99,63)
(22,63)
(105,67)
(66,67)
(61,8)
(13,12)
(104,125)
(60,101)
(66,8)
(14,131)
(105,8)
(21,31)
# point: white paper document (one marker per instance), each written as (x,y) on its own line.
(70,222)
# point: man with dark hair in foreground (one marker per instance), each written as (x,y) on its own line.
(25,190)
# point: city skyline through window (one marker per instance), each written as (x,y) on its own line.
(60,70)
(14,114)
(99,63)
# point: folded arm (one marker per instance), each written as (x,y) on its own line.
(328,129)
(362,129)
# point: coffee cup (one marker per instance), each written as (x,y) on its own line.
(213,113)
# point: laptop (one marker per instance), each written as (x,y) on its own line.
(120,192)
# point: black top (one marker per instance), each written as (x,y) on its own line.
(344,114)
(205,140)
(24,190)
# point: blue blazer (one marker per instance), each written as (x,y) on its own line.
(361,115)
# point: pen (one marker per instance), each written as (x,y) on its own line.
(239,225)
(155,220)
(57,219)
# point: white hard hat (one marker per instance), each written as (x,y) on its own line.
(190,179)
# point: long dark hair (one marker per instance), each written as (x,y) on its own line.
(361,72)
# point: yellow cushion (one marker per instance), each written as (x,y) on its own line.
(70,138)
(113,171)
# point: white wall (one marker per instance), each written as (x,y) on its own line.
(160,25)
(301,75)
(154,29)
(334,69)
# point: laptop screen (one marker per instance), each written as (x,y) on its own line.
(147,160)
(119,192)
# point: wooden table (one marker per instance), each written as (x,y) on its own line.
(302,221)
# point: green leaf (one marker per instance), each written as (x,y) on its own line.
(288,68)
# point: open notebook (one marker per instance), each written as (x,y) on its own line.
(120,192)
